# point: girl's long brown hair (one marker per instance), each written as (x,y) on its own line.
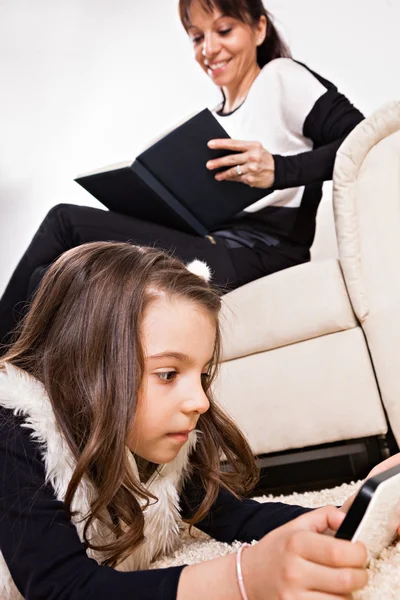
(81,339)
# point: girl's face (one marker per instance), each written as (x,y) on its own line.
(224,47)
(178,339)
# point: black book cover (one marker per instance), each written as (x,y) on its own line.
(169,183)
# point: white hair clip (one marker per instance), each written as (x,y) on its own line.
(199,268)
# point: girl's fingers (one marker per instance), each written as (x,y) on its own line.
(227,161)
(328,551)
(393,461)
(319,520)
(319,596)
(341,582)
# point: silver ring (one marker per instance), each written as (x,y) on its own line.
(238,170)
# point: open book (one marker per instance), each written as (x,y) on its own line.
(170,184)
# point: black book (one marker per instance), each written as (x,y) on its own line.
(170,184)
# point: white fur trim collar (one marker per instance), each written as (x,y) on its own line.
(27,397)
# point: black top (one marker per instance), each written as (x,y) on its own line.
(45,555)
(282,91)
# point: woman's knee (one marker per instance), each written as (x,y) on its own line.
(36,278)
(60,211)
(61,218)
(56,228)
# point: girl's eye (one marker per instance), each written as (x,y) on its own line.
(167,376)
(197,39)
(225,31)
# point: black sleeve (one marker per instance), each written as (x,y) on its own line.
(232,519)
(330,121)
(40,545)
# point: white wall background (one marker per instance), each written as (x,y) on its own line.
(84,83)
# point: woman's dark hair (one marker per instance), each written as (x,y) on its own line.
(248,11)
(82,339)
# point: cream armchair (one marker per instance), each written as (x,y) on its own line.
(310,354)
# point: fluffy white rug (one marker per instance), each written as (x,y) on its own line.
(384,572)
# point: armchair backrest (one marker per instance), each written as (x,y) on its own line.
(366,201)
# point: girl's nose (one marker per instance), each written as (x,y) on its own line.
(198,402)
(203,403)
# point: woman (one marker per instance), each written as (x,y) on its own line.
(297,121)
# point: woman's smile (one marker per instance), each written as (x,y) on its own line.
(215,68)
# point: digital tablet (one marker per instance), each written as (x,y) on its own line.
(374,516)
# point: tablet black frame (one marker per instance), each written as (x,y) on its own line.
(361,502)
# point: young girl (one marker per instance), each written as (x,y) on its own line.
(110,440)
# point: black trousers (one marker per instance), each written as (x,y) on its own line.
(67,226)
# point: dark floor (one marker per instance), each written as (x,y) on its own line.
(320,467)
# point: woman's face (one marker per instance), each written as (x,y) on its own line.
(224,47)
(178,339)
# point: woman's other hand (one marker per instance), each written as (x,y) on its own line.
(252,165)
(297,561)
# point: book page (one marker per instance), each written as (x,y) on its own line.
(113,167)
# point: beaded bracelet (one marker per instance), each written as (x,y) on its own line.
(239,571)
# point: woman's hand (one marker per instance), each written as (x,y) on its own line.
(296,561)
(253,165)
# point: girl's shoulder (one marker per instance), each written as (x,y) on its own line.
(10,425)
(15,434)
(18,393)
(21,462)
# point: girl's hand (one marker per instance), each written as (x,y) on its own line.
(393,461)
(296,561)
(253,165)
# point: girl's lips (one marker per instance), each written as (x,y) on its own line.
(179,437)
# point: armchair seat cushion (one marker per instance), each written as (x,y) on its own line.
(291,306)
